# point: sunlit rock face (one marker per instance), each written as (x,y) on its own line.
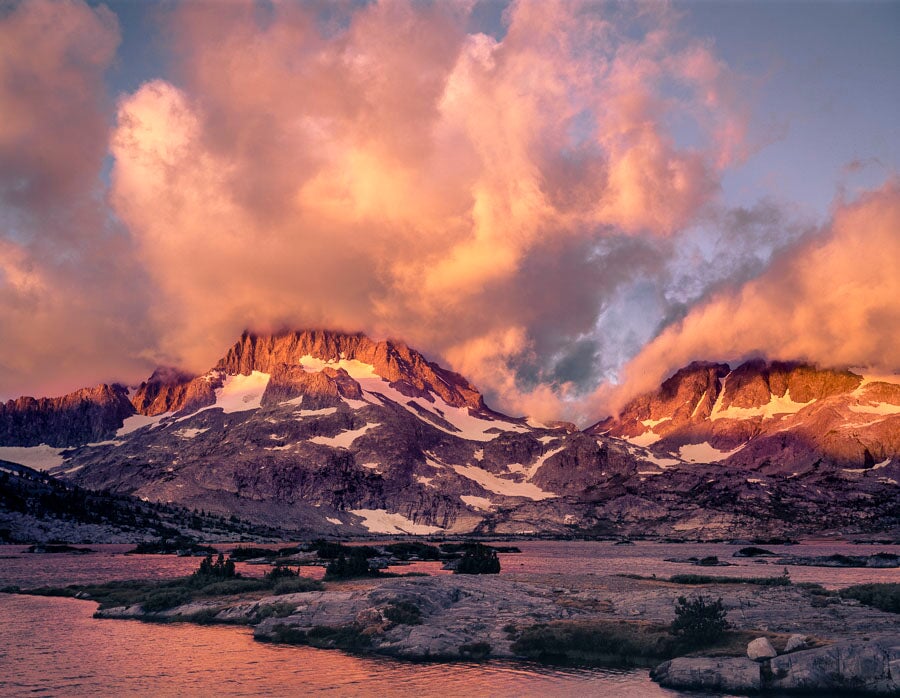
(327,432)
(89,414)
(773,417)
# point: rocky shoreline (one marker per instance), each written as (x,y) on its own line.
(453,617)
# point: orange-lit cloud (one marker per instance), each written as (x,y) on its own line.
(389,171)
(834,300)
(70,292)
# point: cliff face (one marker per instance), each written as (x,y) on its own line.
(393,361)
(89,414)
(787,417)
(165,391)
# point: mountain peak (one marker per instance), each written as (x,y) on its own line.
(393,361)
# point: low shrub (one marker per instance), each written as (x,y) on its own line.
(164,599)
(349,567)
(342,637)
(780,580)
(885,597)
(281,572)
(699,621)
(596,642)
(479,560)
(250,553)
(233,586)
(403,613)
(404,551)
(274,610)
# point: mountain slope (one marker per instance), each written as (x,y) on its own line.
(334,433)
(775,417)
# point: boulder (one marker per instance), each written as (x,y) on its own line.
(760,649)
(872,667)
(709,674)
(795,642)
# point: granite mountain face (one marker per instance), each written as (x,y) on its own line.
(334,433)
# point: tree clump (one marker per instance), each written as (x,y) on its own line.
(699,621)
(347,567)
(479,559)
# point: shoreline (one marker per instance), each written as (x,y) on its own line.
(462,617)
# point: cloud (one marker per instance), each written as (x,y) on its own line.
(70,292)
(834,300)
(385,169)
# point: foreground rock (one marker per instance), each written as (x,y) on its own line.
(871,667)
(760,649)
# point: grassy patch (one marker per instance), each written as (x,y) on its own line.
(156,596)
(619,643)
(885,597)
(343,637)
(779,581)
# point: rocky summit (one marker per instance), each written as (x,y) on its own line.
(334,433)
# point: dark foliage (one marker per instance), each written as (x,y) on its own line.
(404,551)
(282,572)
(885,597)
(329,550)
(210,571)
(403,613)
(595,642)
(348,567)
(479,560)
(699,621)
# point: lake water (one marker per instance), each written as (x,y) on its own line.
(51,646)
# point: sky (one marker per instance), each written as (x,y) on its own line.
(563,201)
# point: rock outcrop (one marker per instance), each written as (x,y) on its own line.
(90,414)
(856,667)
(760,649)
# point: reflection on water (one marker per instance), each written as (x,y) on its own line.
(52,646)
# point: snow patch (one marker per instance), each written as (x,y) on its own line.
(345,439)
(469,427)
(241,393)
(883,408)
(704,453)
(139,421)
(663,463)
(301,414)
(498,485)
(646,439)
(425,480)
(482,503)
(189,432)
(381,521)
(356,369)
(775,406)
(41,457)
(877,466)
(336,522)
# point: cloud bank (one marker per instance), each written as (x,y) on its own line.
(534,205)
(835,300)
